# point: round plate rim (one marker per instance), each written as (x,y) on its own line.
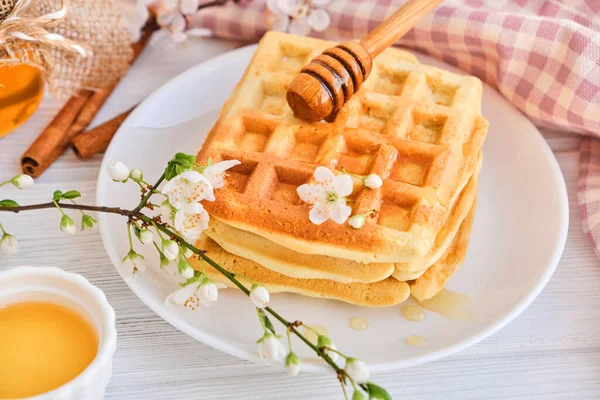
(213,342)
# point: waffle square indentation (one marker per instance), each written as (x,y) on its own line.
(293,57)
(256,134)
(396,214)
(307,142)
(440,92)
(391,81)
(378,109)
(411,168)
(286,182)
(427,128)
(273,99)
(237,178)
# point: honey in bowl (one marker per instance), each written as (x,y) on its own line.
(42,346)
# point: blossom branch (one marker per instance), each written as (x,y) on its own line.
(41,206)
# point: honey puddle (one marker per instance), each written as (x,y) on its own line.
(451,305)
(312,336)
(415,340)
(413,313)
(358,323)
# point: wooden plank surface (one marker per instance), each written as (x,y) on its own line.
(552,351)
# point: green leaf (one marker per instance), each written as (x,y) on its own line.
(137,231)
(267,322)
(71,194)
(184,160)
(377,392)
(8,203)
(179,169)
(57,195)
(170,172)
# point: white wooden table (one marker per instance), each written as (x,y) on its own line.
(551,351)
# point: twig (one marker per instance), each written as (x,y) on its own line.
(111,210)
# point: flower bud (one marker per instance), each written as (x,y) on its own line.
(170,249)
(326,344)
(358,395)
(208,293)
(136,174)
(185,269)
(134,262)
(357,370)
(146,236)
(373,181)
(118,171)
(187,253)
(9,246)
(271,350)
(357,221)
(67,225)
(259,296)
(292,364)
(22,181)
(88,223)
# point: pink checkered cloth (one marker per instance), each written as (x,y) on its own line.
(542,55)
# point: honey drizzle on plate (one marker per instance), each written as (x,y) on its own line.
(451,305)
(358,323)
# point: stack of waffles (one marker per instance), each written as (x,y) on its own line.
(417,127)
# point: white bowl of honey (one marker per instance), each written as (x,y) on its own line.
(57,336)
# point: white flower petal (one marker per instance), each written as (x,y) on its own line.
(340,212)
(178,24)
(311,193)
(191,221)
(288,7)
(215,173)
(323,174)
(299,27)
(181,295)
(318,20)
(320,3)
(319,213)
(165,18)
(188,6)
(343,185)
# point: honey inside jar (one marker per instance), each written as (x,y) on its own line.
(42,346)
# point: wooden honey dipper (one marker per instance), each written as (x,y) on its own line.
(329,80)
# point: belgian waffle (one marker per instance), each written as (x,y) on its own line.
(387,292)
(435,277)
(411,124)
(291,263)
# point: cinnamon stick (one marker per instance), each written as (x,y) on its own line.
(97,140)
(72,119)
(53,140)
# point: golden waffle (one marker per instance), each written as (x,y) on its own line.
(288,262)
(459,212)
(387,292)
(436,276)
(411,124)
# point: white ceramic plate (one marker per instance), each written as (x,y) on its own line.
(517,240)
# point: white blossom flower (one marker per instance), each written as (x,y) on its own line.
(167,213)
(9,246)
(146,236)
(298,16)
(22,181)
(191,220)
(327,196)
(187,253)
(292,364)
(186,296)
(67,225)
(357,370)
(134,16)
(208,293)
(134,262)
(216,173)
(259,296)
(136,174)
(373,181)
(188,187)
(171,16)
(357,221)
(118,171)
(271,350)
(88,223)
(170,249)
(324,343)
(185,269)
